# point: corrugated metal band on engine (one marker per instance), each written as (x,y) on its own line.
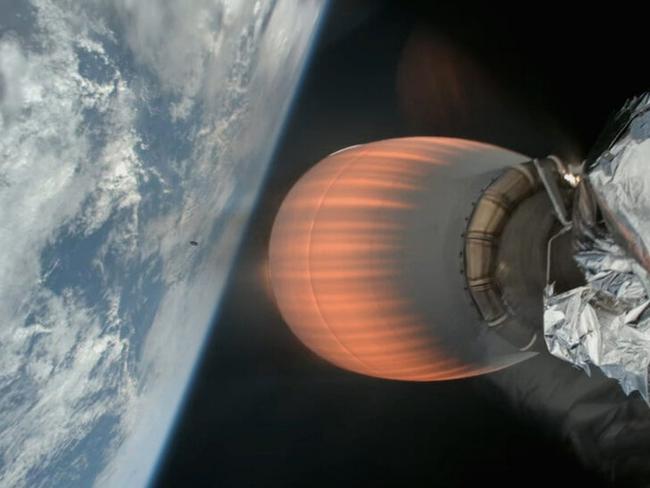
(484,230)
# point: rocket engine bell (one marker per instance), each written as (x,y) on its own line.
(420,258)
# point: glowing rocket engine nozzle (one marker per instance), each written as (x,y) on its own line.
(368,258)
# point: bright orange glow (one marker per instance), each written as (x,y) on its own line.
(335,260)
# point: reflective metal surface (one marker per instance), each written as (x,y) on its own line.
(607,322)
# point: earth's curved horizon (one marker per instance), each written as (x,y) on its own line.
(127,130)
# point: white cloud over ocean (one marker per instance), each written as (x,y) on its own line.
(94,216)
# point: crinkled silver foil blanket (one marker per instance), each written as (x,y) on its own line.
(606,323)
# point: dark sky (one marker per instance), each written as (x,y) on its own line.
(264,411)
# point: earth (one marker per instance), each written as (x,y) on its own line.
(134,138)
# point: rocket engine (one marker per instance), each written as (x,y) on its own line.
(419,258)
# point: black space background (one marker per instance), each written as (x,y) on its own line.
(264,411)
